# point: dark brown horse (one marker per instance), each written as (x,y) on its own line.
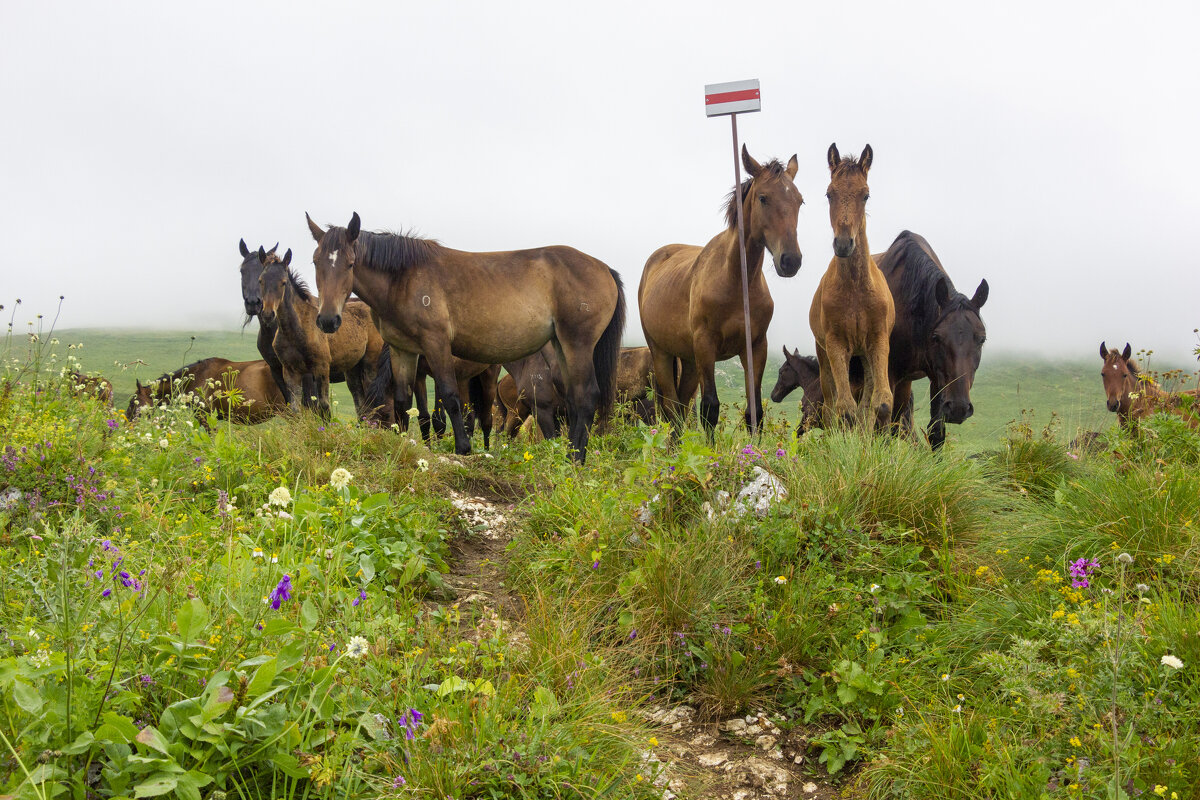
(491,308)
(852,311)
(1134,395)
(253,262)
(690,297)
(243,391)
(635,382)
(804,373)
(309,357)
(938,334)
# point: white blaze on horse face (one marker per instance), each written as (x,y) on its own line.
(333,258)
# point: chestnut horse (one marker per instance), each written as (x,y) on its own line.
(491,308)
(241,390)
(690,297)
(309,357)
(1133,395)
(852,312)
(253,262)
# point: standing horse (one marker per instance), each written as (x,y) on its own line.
(1134,396)
(690,297)
(491,308)
(852,311)
(253,262)
(243,391)
(938,334)
(309,356)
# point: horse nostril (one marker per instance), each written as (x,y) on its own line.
(970,409)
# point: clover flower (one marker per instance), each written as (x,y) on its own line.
(280,496)
(340,478)
(357,647)
(281,592)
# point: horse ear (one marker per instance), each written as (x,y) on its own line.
(287,257)
(833,157)
(981,295)
(793,167)
(864,161)
(353,228)
(314,228)
(752,166)
(273,249)
(1127,352)
(262,254)
(1103,351)
(941,292)
(245,251)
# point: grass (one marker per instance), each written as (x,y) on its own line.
(955,624)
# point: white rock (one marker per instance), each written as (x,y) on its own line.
(809,788)
(713,759)
(765,742)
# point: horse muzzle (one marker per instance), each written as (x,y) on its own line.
(956,411)
(788,264)
(1114,405)
(329,324)
(843,246)
(266,317)
(253,307)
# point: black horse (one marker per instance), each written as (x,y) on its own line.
(253,263)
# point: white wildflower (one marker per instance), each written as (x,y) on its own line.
(164,443)
(422,465)
(340,478)
(1171,661)
(258,553)
(357,647)
(40,659)
(280,496)
(328,553)
(1125,558)
(274,558)
(412,413)
(33,635)
(781,579)
(284,515)
(875,587)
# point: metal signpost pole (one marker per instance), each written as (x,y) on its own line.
(734,98)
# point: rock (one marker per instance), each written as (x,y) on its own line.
(10,497)
(703,740)
(765,742)
(759,494)
(734,726)
(713,759)
(760,774)
(809,788)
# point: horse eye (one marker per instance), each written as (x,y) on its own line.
(866,197)
(762,198)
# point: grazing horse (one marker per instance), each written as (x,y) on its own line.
(243,391)
(635,382)
(309,356)
(491,308)
(253,262)
(938,334)
(98,387)
(1133,395)
(852,311)
(690,297)
(804,373)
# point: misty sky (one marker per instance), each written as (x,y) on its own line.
(1045,146)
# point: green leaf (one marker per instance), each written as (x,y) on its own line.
(150,737)
(191,618)
(123,728)
(367,565)
(451,685)
(262,679)
(309,616)
(278,626)
(290,655)
(27,697)
(545,704)
(157,784)
(411,570)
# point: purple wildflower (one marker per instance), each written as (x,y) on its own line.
(106,593)
(595,565)
(1081,569)
(362,595)
(399,782)
(633,634)
(112,424)
(281,592)
(780,453)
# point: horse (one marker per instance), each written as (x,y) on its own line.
(309,356)
(98,387)
(1134,396)
(804,373)
(243,391)
(491,308)
(253,262)
(635,382)
(852,312)
(690,297)
(938,334)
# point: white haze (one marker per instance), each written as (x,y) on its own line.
(1044,146)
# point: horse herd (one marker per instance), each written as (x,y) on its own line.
(392,310)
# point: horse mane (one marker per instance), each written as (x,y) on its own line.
(299,286)
(395,252)
(848,165)
(918,285)
(772,168)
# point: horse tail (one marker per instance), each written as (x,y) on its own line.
(608,352)
(378,397)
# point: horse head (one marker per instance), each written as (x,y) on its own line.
(334,259)
(772,203)
(273,282)
(848,193)
(252,267)
(1120,378)
(954,349)
(141,397)
(796,372)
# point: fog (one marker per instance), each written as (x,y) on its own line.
(1045,147)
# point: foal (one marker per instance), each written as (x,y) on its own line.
(1133,395)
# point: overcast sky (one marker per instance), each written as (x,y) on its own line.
(1048,147)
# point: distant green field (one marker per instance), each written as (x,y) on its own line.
(1066,392)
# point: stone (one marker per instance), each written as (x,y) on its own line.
(713,759)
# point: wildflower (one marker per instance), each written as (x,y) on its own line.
(328,553)
(619,716)
(528,456)
(163,443)
(945,677)
(958,709)
(981,571)
(1171,661)
(781,579)
(1125,558)
(33,635)
(409,720)
(362,595)
(899,711)
(399,782)
(875,587)
(340,478)
(422,465)
(1080,570)
(1074,742)
(357,647)
(280,496)
(1160,790)
(1142,588)
(274,558)
(653,741)
(40,659)
(413,413)
(258,553)
(281,592)
(780,453)
(283,515)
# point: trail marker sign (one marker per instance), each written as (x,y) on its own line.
(736,97)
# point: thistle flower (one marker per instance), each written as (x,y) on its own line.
(280,496)
(281,592)
(340,478)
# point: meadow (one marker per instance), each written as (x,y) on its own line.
(318,609)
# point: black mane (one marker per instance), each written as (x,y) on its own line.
(772,169)
(299,286)
(917,290)
(394,252)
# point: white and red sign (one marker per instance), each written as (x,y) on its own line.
(735,97)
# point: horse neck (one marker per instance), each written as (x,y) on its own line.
(755,252)
(373,286)
(856,267)
(295,316)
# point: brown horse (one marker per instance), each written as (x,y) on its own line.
(253,262)
(491,308)
(852,312)
(243,391)
(690,297)
(804,373)
(1134,396)
(98,387)
(635,382)
(309,356)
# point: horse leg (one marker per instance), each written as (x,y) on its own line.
(295,384)
(266,348)
(421,393)
(838,355)
(902,409)
(705,366)
(881,395)
(441,365)
(322,385)
(753,415)
(937,423)
(354,382)
(583,393)
(487,399)
(464,391)
(404,367)
(665,388)
(685,389)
